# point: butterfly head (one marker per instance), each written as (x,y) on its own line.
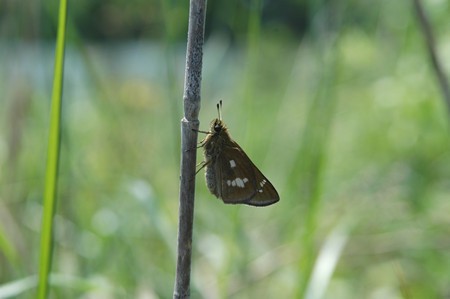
(217,126)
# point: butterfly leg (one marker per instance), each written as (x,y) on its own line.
(200,131)
(200,144)
(202,165)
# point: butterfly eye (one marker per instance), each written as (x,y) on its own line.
(217,128)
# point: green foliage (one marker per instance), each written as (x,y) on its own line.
(346,122)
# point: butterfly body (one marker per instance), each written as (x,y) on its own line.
(230,174)
(213,146)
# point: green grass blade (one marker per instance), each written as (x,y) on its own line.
(52,157)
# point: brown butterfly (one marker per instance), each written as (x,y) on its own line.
(230,174)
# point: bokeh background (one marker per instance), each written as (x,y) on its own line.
(335,101)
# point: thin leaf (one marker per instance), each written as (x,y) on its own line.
(52,157)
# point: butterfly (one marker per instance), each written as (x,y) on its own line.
(230,174)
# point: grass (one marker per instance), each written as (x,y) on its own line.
(51,177)
(354,137)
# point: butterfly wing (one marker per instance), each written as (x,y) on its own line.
(236,176)
(266,194)
(241,181)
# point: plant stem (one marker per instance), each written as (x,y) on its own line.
(54,138)
(430,42)
(189,125)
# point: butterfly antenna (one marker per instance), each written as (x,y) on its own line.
(219,109)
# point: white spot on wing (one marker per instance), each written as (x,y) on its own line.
(262,183)
(237,182)
(240,182)
(232,164)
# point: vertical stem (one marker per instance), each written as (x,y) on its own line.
(431,47)
(191,99)
(51,175)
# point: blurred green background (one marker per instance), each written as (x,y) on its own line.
(335,101)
